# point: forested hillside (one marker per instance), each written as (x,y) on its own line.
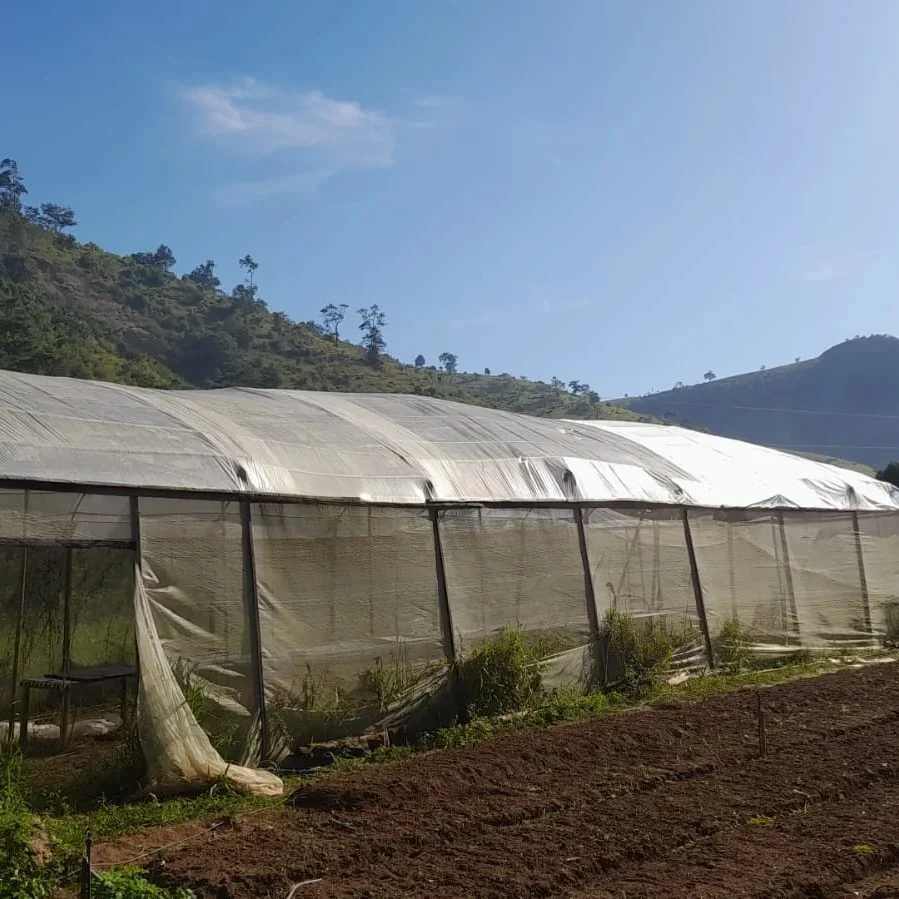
(70,308)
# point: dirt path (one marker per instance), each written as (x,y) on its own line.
(672,801)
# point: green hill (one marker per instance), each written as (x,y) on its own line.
(68,308)
(843,404)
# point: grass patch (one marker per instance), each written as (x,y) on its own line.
(760,821)
(863,849)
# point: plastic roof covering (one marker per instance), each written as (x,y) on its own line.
(387,449)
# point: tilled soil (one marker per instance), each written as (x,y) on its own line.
(669,801)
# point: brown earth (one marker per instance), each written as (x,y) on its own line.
(670,801)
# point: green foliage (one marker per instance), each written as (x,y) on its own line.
(733,647)
(71,309)
(641,650)
(132,883)
(890,474)
(21,877)
(502,675)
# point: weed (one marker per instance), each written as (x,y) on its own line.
(21,877)
(132,883)
(733,647)
(388,682)
(641,651)
(502,675)
(760,821)
(863,849)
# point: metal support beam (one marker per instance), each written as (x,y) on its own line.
(862,576)
(697,592)
(251,606)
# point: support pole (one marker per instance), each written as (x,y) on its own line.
(20,623)
(17,646)
(862,576)
(788,576)
(697,592)
(732,572)
(592,609)
(447,625)
(66,651)
(134,510)
(251,607)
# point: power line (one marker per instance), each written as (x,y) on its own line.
(766,409)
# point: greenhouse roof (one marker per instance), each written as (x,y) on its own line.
(375,448)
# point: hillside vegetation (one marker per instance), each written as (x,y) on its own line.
(843,404)
(70,308)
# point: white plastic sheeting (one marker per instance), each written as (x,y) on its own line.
(388,449)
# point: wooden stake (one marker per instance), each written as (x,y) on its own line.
(763,737)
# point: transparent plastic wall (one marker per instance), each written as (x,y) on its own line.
(349,618)
(518,568)
(879,539)
(640,566)
(787,580)
(43,536)
(192,567)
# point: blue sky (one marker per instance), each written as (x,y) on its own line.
(624,193)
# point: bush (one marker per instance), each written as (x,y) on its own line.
(733,647)
(502,675)
(638,651)
(132,883)
(21,877)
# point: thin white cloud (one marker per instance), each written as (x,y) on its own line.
(307,134)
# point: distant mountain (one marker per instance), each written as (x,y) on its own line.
(844,404)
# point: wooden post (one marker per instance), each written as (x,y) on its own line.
(17,646)
(788,576)
(760,715)
(447,624)
(251,607)
(697,592)
(593,616)
(66,651)
(862,576)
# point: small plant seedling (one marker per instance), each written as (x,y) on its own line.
(863,849)
(760,821)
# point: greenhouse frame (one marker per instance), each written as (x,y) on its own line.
(291,566)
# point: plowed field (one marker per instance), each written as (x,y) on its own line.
(668,801)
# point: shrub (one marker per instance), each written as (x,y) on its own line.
(21,877)
(639,650)
(733,647)
(502,675)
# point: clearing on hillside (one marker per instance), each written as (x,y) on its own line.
(669,801)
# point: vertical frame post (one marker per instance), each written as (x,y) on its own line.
(862,575)
(66,650)
(732,571)
(788,576)
(17,646)
(697,591)
(251,607)
(20,623)
(589,591)
(447,624)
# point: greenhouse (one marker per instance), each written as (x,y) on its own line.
(280,566)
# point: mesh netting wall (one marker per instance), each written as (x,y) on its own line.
(789,580)
(511,568)
(879,537)
(349,616)
(640,567)
(192,566)
(45,534)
